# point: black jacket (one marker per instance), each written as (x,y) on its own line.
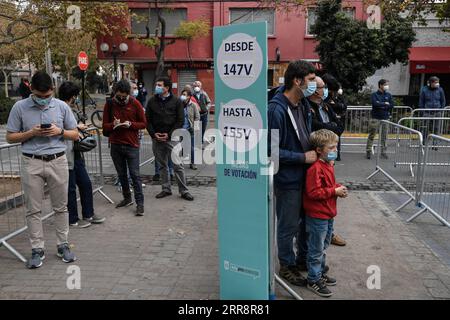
(338,104)
(334,125)
(164,116)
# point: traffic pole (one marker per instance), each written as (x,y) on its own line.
(83,96)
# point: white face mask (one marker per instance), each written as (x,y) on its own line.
(386,88)
(340,91)
(197,89)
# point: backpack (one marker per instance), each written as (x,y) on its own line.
(109,104)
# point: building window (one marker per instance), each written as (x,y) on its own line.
(312,16)
(139,20)
(310,20)
(349,12)
(249,15)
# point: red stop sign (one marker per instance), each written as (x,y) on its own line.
(83,60)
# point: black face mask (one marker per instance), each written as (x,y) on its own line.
(122,100)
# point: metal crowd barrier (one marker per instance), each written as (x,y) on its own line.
(273,276)
(145,150)
(357,126)
(357,118)
(433,190)
(11,195)
(418,113)
(404,149)
(94,164)
(12,210)
(428,125)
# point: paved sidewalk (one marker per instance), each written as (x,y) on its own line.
(171,253)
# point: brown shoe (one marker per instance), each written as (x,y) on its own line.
(337,240)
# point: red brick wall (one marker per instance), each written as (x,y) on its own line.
(206,76)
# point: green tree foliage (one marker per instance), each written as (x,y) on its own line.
(351,51)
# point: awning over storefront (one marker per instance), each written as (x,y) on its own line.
(429,60)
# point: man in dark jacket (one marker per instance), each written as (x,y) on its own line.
(165,114)
(432,96)
(382,105)
(289,113)
(323,117)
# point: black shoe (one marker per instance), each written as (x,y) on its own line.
(291,274)
(187,196)
(368,154)
(163,194)
(328,281)
(319,288)
(124,203)
(156,177)
(384,156)
(140,211)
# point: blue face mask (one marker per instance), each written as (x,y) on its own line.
(159,90)
(312,87)
(42,102)
(325,94)
(331,156)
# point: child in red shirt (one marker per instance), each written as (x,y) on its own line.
(319,203)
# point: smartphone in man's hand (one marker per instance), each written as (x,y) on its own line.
(46,125)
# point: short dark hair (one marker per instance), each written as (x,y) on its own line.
(189,92)
(433,79)
(382,82)
(297,69)
(167,82)
(122,86)
(331,82)
(67,90)
(41,81)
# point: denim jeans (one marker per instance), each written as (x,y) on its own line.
(158,168)
(319,238)
(79,177)
(204,120)
(290,225)
(127,157)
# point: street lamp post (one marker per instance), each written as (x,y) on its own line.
(114,53)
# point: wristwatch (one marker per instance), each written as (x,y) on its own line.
(62,132)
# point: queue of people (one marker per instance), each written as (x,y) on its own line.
(54,140)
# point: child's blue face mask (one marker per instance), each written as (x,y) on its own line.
(331,156)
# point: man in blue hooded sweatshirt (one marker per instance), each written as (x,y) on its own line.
(289,113)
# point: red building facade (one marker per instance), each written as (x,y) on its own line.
(288,39)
